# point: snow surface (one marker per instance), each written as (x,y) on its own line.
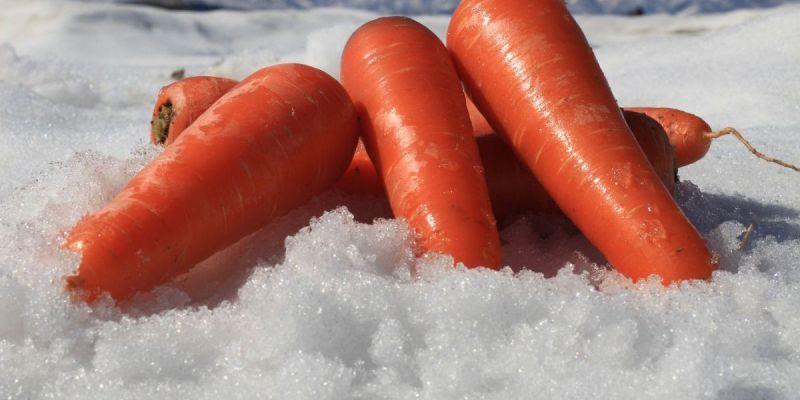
(328,309)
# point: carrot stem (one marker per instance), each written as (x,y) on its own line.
(734,132)
(162,122)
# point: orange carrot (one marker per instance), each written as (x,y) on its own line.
(416,129)
(181,102)
(281,136)
(532,74)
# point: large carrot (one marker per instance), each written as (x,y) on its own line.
(416,129)
(531,72)
(282,135)
(180,103)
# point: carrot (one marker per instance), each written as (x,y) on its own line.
(181,102)
(416,129)
(532,74)
(281,136)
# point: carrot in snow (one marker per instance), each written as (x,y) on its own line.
(284,134)
(416,129)
(532,74)
(180,103)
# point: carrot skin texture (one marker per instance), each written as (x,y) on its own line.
(687,132)
(188,98)
(417,132)
(284,134)
(532,74)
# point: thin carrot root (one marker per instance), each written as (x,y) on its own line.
(745,237)
(162,122)
(734,132)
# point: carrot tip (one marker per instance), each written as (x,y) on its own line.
(162,122)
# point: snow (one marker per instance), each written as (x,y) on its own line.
(330,302)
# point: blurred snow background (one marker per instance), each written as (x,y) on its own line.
(625,7)
(327,309)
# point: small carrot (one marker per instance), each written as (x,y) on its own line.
(180,103)
(532,74)
(284,134)
(416,129)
